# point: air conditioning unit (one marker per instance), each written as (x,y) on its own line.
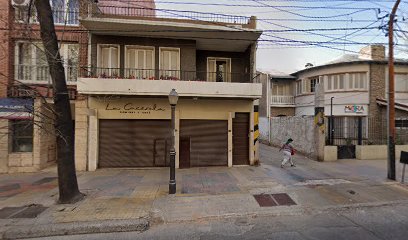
(20,3)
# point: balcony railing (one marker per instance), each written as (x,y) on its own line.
(282,100)
(123,9)
(41,73)
(155,74)
(62,16)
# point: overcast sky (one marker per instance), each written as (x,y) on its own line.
(287,51)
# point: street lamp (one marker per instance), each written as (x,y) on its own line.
(173,98)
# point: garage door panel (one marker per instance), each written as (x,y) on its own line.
(130,143)
(240,139)
(209,141)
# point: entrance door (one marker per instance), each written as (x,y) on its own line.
(240,139)
(160,153)
(185,152)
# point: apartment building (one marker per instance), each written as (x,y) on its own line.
(123,117)
(27,141)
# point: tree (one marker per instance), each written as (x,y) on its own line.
(67,179)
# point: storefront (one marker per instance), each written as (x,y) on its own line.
(136,132)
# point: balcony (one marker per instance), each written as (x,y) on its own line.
(150,82)
(154,74)
(282,101)
(40,74)
(126,10)
(62,15)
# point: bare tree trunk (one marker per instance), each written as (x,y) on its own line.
(67,179)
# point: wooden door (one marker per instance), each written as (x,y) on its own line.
(185,152)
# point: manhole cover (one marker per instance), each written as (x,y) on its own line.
(265,200)
(283,199)
(44,180)
(10,187)
(31,211)
(7,212)
(271,200)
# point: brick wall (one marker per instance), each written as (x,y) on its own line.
(81,134)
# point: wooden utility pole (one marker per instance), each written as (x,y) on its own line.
(67,179)
(391,95)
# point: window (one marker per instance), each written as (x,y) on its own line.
(170,63)
(358,81)
(31,62)
(335,82)
(219,69)
(22,135)
(280,89)
(401,82)
(139,62)
(64,12)
(313,83)
(108,61)
(401,123)
(299,87)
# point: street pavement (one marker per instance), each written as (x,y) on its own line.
(128,200)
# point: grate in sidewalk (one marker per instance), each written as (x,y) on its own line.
(10,187)
(265,200)
(271,200)
(7,212)
(44,180)
(31,211)
(283,199)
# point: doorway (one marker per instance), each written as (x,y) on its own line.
(185,152)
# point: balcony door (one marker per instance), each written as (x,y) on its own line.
(108,61)
(219,69)
(169,63)
(139,62)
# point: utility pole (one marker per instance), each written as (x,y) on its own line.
(391,95)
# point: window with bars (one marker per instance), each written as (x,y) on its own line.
(22,135)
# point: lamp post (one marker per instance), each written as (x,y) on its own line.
(331,127)
(173,98)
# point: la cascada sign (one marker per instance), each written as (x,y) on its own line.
(134,108)
(354,109)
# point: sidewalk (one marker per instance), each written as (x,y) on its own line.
(132,200)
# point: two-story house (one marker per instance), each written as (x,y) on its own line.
(134,61)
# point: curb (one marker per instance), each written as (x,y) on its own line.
(61,229)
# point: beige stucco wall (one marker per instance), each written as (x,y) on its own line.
(330,153)
(378,152)
(153,108)
(4,145)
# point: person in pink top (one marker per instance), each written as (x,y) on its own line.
(288,151)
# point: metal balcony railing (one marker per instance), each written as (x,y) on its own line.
(123,9)
(156,74)
(62,15)
(282,100)
(41,73)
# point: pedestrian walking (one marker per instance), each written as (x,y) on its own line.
(288,151)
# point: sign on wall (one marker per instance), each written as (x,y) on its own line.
(354,109)
(16,108)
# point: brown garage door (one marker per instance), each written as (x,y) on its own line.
(240,139)
(208,142)
(134,143)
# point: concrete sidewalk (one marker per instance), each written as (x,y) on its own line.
(131,200)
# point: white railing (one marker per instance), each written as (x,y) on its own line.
(41,73)
(282,100)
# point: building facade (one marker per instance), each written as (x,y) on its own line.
(135,61)
(27,135)
(352,87)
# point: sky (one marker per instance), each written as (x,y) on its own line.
(297,32)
